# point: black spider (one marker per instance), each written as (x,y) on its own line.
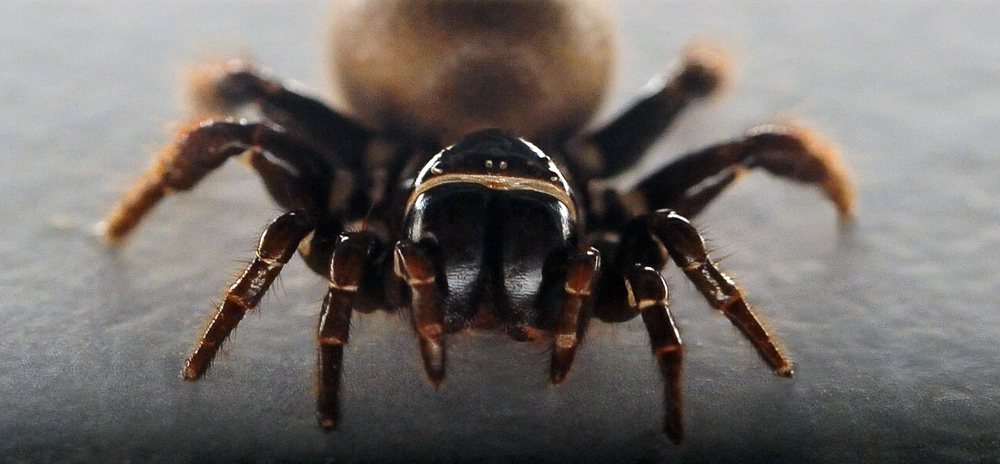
(491,232)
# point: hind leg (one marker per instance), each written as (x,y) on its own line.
(688,184)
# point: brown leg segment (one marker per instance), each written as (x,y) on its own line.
(624,140)
(414,268)
(647,295)
(201,149)
(688,184)
(693,202)
(348,266)
(687,249)
(277,245)
(225,87)
(580,277)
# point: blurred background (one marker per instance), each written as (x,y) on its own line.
(892,321)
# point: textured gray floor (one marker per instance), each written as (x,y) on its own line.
(893,323)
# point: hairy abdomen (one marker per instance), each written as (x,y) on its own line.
(444,68)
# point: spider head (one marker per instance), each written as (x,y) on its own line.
(498,160)
(494,212)
(495,152)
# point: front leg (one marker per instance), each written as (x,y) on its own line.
(686,248)
(647,295)
(414,268)
(629,288)
(277,245)
(350,263)
(581,274)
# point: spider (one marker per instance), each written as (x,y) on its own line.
(424,194)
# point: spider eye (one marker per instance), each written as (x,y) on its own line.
(496,160)
(495,152)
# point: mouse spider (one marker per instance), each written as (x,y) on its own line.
(423,193)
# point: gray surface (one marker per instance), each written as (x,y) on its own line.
(893,324)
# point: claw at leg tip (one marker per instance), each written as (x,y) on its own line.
(109,233)
(845,217)
(190,372)
(674,433)
(328,424)
(100,229)
(436,380)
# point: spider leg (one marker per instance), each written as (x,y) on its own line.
(686,248)
(294,175)
(625,139)
(414,268)
(634,287)
(647,296)
(688,184)
(224,88)
(277,245)
(348,266)
(580,276)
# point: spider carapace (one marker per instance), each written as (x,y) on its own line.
(424,194)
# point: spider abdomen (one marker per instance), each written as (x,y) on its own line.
(440,69)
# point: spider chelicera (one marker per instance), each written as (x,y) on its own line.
(424,194)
